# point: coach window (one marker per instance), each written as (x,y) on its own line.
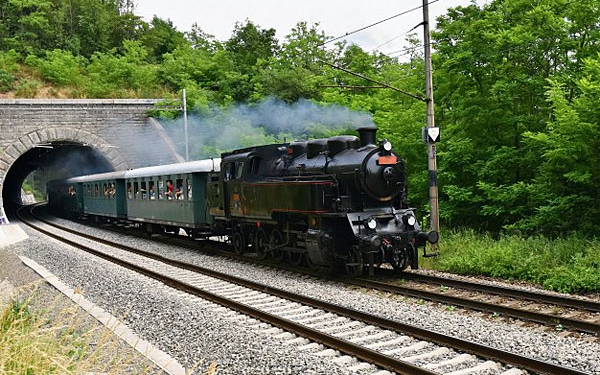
(239,170)
(143,190)
(189,189)
(161,189)
(136,190)
(151,192)
(96,190)
(88,190)
(170,190)
(179,193)
(129,193)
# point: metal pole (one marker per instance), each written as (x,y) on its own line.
(432,158)
(185,127)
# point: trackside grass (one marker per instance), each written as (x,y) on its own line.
(570,265)
(57,340)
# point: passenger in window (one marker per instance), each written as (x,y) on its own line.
(112,190)
(169,192)
(179,191)
(151,190)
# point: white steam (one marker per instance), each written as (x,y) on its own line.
(270,121)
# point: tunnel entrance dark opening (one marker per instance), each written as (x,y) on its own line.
(52,160)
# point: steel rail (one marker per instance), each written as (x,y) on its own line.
(342,345)
(504,291)
(534,316)
(393,325)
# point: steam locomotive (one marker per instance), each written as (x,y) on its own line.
(339,202)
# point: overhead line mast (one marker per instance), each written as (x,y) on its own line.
(431,136)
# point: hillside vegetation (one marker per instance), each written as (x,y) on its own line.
(517,86)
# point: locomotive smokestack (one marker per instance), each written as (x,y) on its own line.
(368,135)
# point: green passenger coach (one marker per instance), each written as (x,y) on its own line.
(168,197)
(102,194)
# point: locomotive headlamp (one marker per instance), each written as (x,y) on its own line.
(409,220)
(371,223)
(386,145)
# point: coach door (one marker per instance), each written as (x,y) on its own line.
(228,174)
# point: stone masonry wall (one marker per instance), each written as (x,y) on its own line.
(119,128)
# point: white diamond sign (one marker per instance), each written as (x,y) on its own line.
(434,134)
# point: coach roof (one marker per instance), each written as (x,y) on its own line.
(207,165)
(96,177)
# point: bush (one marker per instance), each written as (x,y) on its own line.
(113,75)
(59,67)
(570,265)
(28,88)
(6,81)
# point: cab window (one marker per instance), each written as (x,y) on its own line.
(254,165)
(229,171)
(239,170)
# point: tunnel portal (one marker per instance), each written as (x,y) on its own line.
(52,160)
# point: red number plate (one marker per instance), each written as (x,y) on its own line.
(387,160)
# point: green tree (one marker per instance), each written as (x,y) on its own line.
(161,37)
(565,188)
(492,67)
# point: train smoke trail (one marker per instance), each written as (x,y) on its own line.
(269,121)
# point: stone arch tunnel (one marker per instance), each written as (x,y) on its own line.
(71,137)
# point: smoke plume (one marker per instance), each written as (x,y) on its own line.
(270,121)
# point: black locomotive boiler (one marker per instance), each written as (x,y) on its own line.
(340,201)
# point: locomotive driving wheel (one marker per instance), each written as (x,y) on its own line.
(276,239)
(261,243)
(238,241)
(400,262)
(294,258)
(354,265)
(310,263)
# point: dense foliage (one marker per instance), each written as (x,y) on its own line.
(517,86)
(568,265)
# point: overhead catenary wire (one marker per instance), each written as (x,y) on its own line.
(375,23)
(385,85)
(396,37)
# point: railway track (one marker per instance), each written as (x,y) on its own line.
(388,344)
(557,312)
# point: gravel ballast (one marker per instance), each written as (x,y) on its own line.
(534,342)
(195,332)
